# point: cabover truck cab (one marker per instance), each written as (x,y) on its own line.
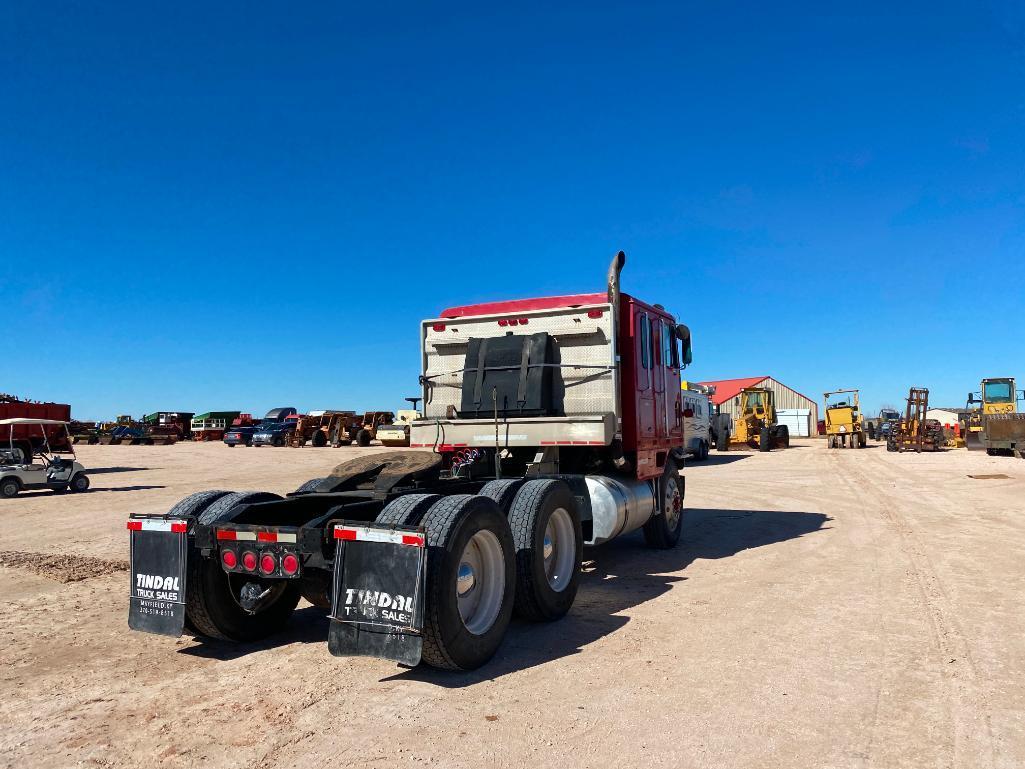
(548,424)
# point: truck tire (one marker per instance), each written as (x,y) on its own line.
(549,545)
(503,492)
(407,510)
(319,440)
(782,437)
(722,441)
(855,441)
(211,603)
(9,488)
(79,483)
(190,507)
(363,438)
(663,528)
(278,442)
(310,485)
(470,549)
(764,440)
(194,504)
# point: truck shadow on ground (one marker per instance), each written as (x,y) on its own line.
(623,575)
(716,459)
(308,625)
(615,578)
(125,488)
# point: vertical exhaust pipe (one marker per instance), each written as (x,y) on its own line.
(616,267)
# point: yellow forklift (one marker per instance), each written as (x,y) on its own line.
(914,432)
(992,420)
(756,427)
(845,427)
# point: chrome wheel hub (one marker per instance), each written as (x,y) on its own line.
(466,580)
(480,582)
(559,550)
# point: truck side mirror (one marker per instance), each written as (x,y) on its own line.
(971,397)
(683,334)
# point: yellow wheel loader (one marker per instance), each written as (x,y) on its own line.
(993,421)
(845,427)
(756,427)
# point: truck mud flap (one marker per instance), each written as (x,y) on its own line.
(973,440)
(377,600)
(158,551)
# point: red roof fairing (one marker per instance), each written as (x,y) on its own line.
(514,306)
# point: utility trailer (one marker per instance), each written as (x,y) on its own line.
(163,428)
(555,423)
(212,425)
(26,437)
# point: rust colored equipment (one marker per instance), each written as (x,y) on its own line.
(915,432)
(339,428)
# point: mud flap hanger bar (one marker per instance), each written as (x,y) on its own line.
(377,597)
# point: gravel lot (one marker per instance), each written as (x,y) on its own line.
(827,609)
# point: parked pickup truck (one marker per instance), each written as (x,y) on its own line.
(242,434)
(274,433)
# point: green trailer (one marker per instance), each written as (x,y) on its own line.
(210,426)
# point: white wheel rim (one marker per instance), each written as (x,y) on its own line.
(559,548)
(672,504)
(480,582)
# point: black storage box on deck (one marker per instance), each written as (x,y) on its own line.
(518,366)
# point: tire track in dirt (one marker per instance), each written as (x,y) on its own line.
(832,460)
(971,746)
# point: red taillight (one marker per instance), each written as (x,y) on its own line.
(289,564)
(268,563)
(523,321)
(249,560)
(438,326)
(229,559)
(513,322)
(594,313)
(503,322)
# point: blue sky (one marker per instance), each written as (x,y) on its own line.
(248,205)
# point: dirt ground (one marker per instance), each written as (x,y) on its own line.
(827,609)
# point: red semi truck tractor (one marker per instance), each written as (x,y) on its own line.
(30,438)
(552,424)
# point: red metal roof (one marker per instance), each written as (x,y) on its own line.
(513,306)
(730,388)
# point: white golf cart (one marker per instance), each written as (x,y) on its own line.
(18,473)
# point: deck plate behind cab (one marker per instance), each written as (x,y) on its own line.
(385,470)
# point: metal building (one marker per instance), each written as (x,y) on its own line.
(797,411)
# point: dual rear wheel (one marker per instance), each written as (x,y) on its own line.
(515,547)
